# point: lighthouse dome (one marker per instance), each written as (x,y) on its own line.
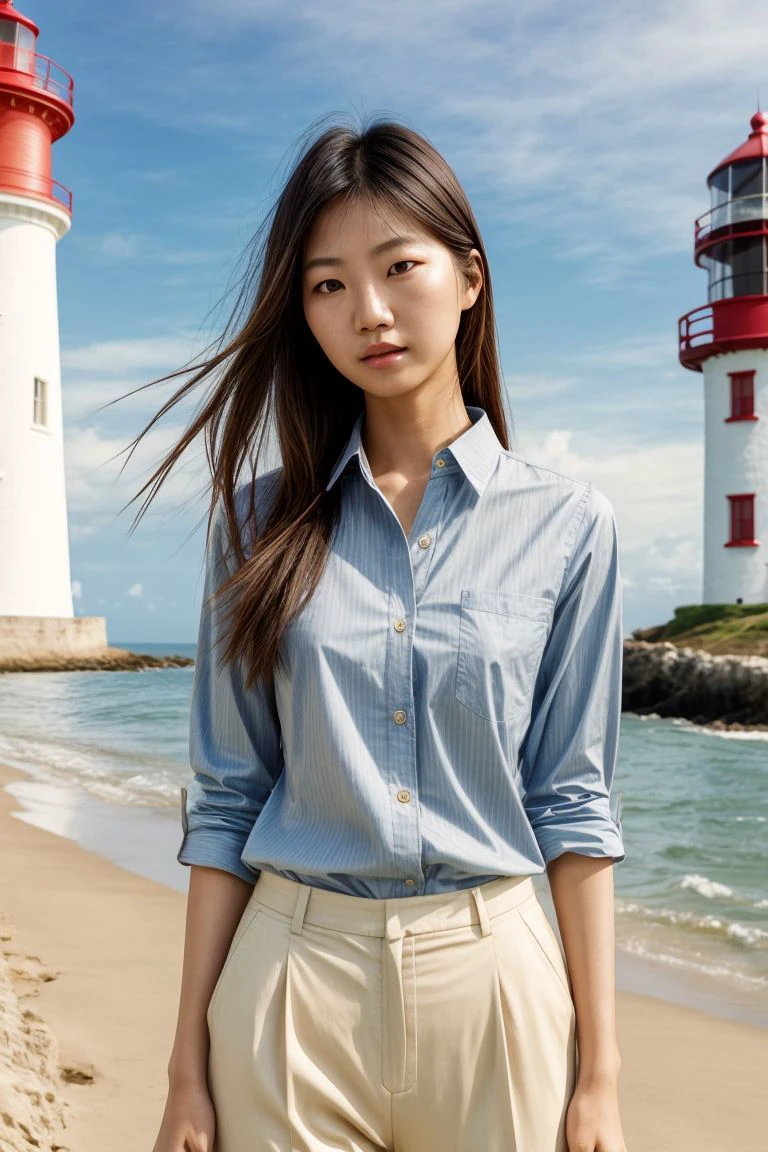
(755,147)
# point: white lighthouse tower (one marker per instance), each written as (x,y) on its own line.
(36,109)
(727,341)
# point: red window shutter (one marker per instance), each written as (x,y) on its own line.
(742,395)
(742,518)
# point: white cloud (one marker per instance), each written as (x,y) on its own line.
(538,386)
(645,350)
(79,530)
(115,377)
(101,479)
(656,490)
(595,124)
(116,246)
(136,590)
(77,590)
(115,358)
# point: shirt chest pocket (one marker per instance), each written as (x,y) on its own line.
(501,641)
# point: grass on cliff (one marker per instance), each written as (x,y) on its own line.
(717,628)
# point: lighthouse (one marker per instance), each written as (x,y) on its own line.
(36,109)
(727,341)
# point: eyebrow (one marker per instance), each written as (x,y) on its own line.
(335,261)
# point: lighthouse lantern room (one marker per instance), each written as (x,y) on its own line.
(36,109)
(727,341)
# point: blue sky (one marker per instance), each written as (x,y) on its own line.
(583,134)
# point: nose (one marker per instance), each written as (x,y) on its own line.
(371,309)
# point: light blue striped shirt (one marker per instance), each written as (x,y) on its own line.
(450,703)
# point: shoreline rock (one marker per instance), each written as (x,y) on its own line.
(725,692)
(109,660)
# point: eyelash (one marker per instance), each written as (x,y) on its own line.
(331,279)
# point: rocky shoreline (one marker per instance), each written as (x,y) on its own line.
(727,692)
(109,660)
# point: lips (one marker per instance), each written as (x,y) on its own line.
(382,350)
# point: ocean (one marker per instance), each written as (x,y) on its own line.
(105,753)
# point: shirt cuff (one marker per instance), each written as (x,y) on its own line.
(212,849)
(593,835)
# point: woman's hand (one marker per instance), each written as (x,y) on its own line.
(189,1120)
(592,1122)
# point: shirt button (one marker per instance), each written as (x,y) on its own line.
(403,795)
(410,882)
(399,717)
(400,624)
(440,462)
(425,540)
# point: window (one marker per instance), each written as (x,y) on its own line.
(737,267)
(746,180)
(742,396)
(25,50)
(742,519)
(739,193)
(748,266)
(40,407)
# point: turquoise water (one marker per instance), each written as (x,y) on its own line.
(691,896)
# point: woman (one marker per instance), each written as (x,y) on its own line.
(406,704)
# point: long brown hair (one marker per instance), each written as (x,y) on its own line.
(274,370)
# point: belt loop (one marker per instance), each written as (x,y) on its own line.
(302,896)
(482,912)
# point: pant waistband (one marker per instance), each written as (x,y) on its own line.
(390,918)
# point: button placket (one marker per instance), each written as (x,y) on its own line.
(406,832)
(423,549)
(406,836)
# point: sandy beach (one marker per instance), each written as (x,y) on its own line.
(89,975)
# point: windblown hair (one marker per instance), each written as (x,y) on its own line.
(272,369)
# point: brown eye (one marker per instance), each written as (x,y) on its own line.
(395,265)
(319,286)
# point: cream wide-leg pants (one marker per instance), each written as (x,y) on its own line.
(439,1023)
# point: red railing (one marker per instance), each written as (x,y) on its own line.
(691,331)
(40,71)
(30,184)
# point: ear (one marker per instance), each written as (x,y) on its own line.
(473,280)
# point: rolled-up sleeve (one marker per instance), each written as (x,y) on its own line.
(234,740)
(568,755)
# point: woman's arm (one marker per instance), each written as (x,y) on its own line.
(582,892)
(568,761)
(215,903)
(235,754)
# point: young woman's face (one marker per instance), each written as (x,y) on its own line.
(409,294)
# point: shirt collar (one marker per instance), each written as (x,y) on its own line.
(475,451)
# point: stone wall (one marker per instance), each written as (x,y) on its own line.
(23,637)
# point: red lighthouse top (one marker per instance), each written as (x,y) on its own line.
(36,98)
(755,146)
(731,243)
